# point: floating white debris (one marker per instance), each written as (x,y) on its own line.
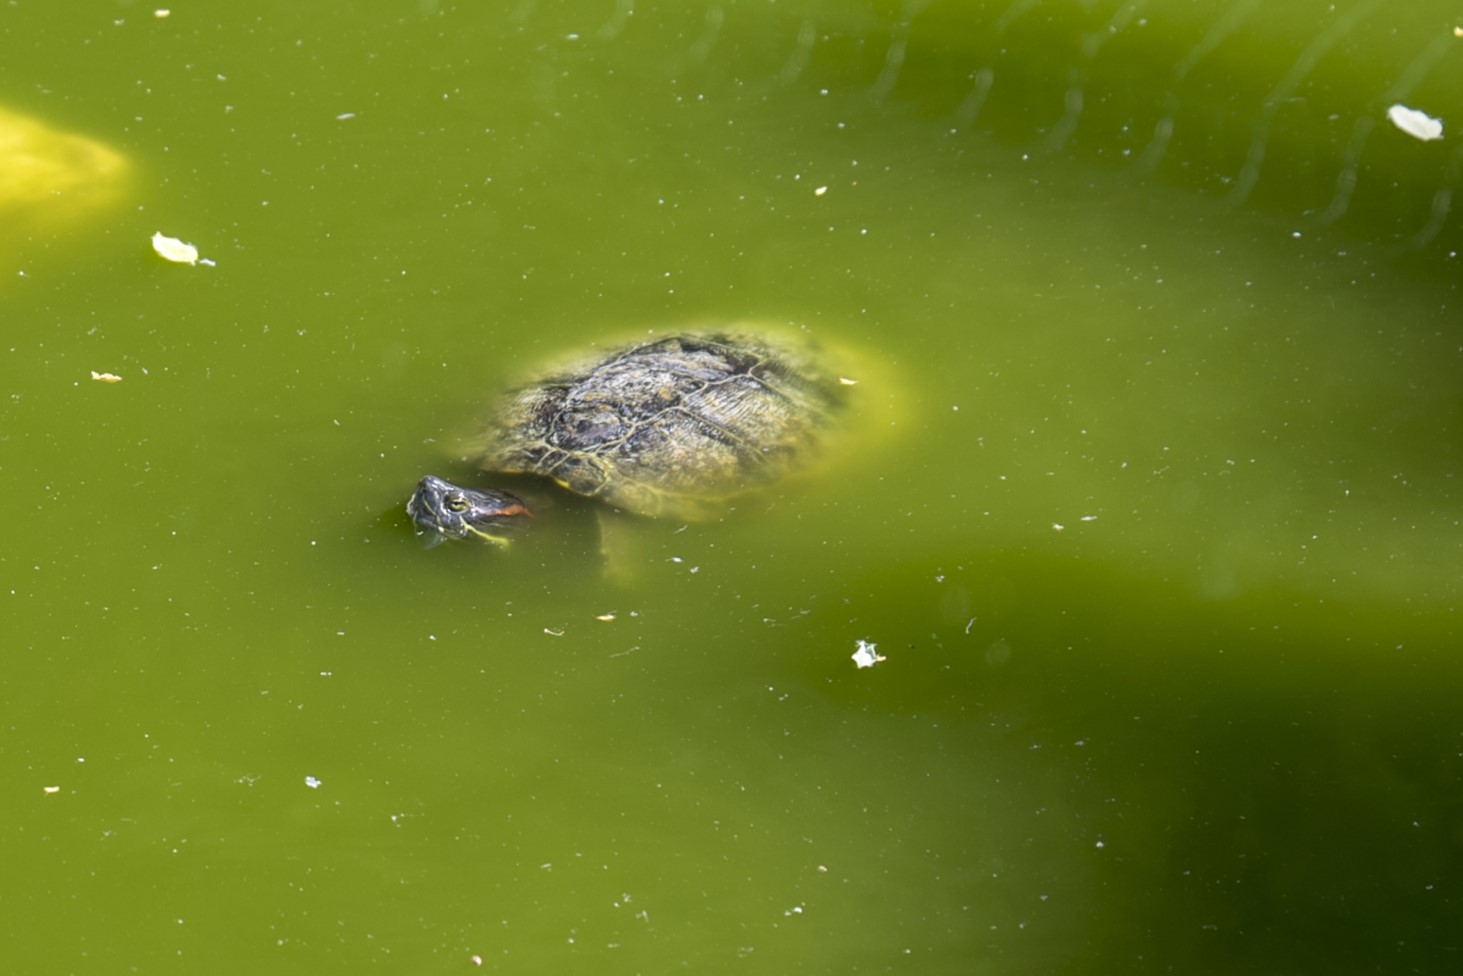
(845,381)
(820,191)
(48,790)
(312,782)
(105,377)
(605,617)
(172,249)
(1417,124)
(867,654)
(162,14)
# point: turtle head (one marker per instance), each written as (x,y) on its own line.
(445,511)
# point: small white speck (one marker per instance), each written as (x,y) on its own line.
(867,655)
(1417,124)
(172,249)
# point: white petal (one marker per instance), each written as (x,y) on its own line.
(174,250)
(867,654)
(1417,124)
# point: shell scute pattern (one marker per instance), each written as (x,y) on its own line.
(669,426)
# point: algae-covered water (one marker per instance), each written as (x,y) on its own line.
(1149,497)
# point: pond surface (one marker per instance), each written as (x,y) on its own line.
(1152,504)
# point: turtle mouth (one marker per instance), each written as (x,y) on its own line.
(443,510)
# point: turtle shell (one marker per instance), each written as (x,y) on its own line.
(670,427)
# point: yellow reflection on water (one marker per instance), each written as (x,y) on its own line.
(50,178)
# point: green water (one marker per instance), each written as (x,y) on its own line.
(1153,503)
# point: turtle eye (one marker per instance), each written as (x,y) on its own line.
(456,503)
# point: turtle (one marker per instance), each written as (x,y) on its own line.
(669,427)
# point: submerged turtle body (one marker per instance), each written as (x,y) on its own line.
(670,427)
